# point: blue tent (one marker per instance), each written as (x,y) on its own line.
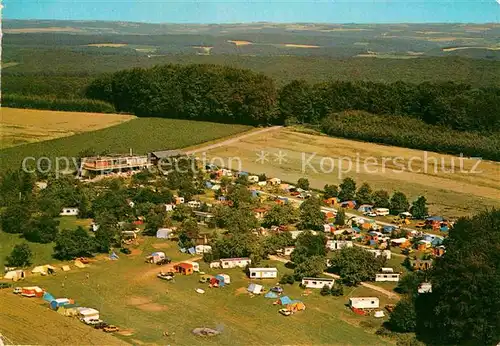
(222,198)
(271,294)
(285,300)
(192,250)
(356,229)
(243,174)
(220,278)
(254,193)
(373,242)
(113,256)
(48,297)
(435,218)
(277,289)
(208,184)
(389,229)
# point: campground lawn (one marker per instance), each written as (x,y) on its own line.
(129,295)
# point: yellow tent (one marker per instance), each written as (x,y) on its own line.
(79,264)
(65,268)
(296,306)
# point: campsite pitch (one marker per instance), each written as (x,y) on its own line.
(112,288)
(451,194)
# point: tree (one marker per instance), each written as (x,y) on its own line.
(154,221)
(240,195)
(20,256)
(42,229)
(15,218)
(182,212)
(190,228)
(409,283)
(364,194)
(419,208)
(340,217)
(381,199)
(311,216)
(280,215)
(276,241)
(465,286)
(355,264)
(308,245)
(262,177)
(403,318)
(347,189)
(287,279)
(325,290)
(330,191)
(337,290)
(303,183)
(70,244)
(399,203)
(312,266)
(241,220)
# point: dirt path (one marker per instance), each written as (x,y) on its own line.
(232,140)
(385,292)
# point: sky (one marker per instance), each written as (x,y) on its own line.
(243,11)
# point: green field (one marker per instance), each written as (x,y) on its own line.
(129,295)
(141,135)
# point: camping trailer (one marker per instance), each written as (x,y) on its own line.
(69,212)
(317,282)
(364,303)
(382,211)
(263,273)
(228,263)
(394,277)
(338,244)
(88,314)
(32,292)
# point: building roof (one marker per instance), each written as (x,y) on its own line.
(235,259)
(163,154)
(319,279)
(185,265)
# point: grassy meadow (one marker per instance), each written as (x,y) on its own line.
(22,126)
(140,134)
(451,194)
(128,294)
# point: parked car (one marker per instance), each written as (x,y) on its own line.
(5,285)
(125,250)
(285,312)
(84,260)
(17,290)
(101,325)
(166,276)
(370,214)
(164,261)
(111,329)
(91,322)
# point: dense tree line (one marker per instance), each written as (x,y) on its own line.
(412,133)
(202,92)
(57,104)
(457,106)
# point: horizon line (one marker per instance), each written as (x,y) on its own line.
(250,22)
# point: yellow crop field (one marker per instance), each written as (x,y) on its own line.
(240,43)
(20,126)
(449,191)
(113,45)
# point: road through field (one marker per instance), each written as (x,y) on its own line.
(232,140)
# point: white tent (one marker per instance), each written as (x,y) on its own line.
(15,275)
(227,278)
(255,288)
(42,269)
(164,233)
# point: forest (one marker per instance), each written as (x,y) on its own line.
(448,117)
